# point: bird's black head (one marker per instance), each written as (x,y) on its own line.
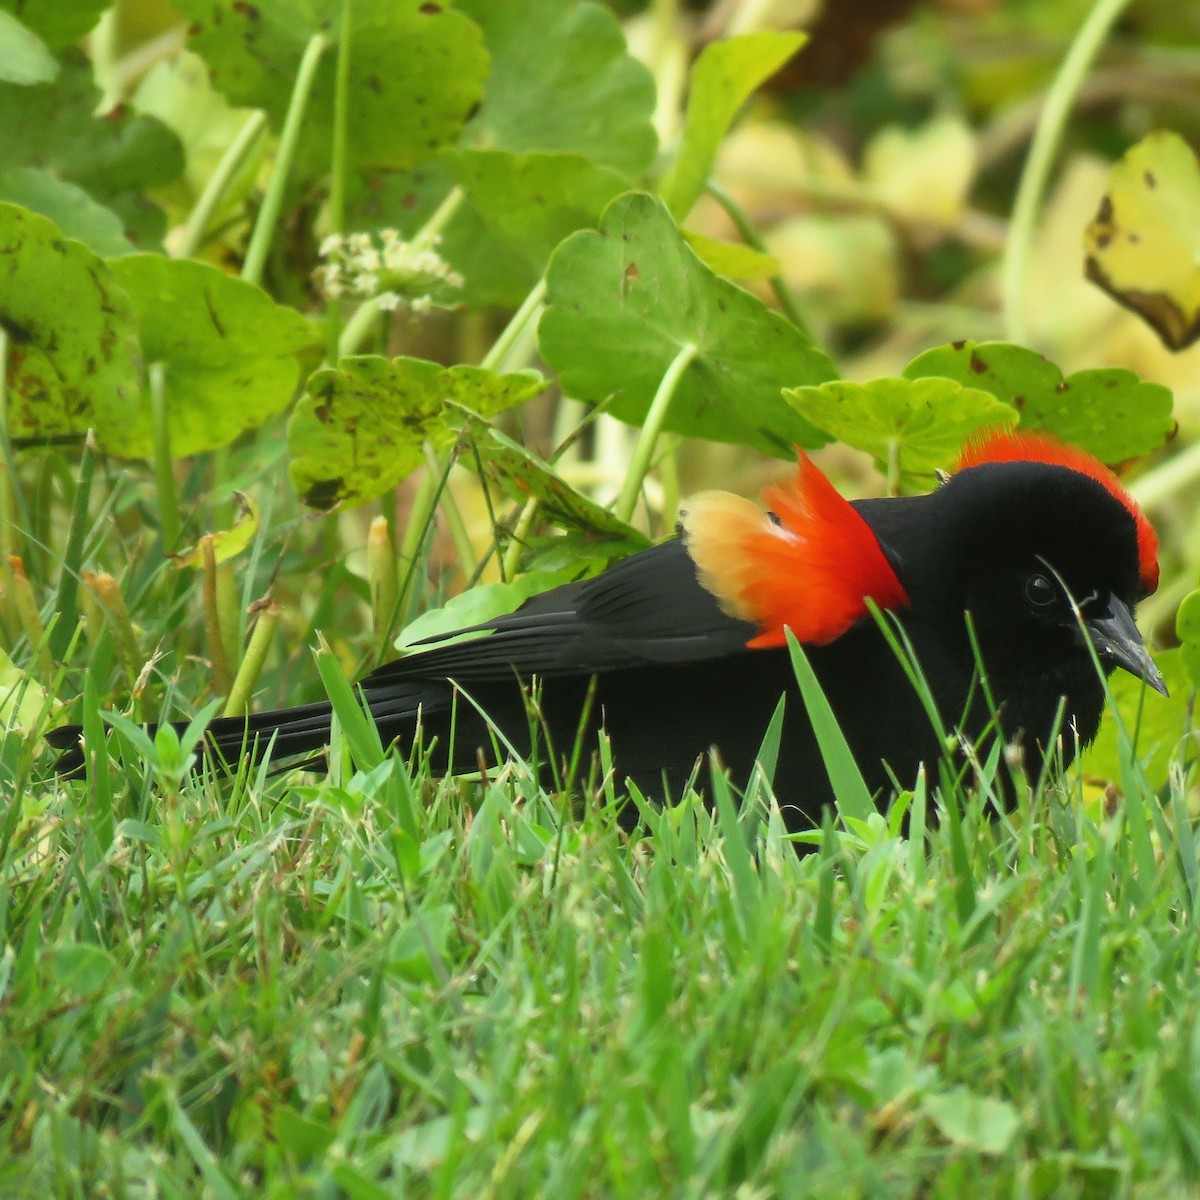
(1049,562)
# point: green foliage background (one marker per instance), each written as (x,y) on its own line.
(461,298)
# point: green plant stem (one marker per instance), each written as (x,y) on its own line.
(496,359)
(454,517)
(238,703)
(338,167)
(643,450)
(232,161)
(1043,149)
(441,216)
(66,603)
(341,121)
(358,328)
(510,565)
(289,139)
(164,472)
(222,673)
(752,238)
(420,514)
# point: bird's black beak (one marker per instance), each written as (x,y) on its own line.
(1118,643)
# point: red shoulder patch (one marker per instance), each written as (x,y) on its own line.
(1009,446)
(812,571)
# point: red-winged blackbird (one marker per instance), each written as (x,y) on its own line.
(1030,551)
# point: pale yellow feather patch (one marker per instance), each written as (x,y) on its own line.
(717,527)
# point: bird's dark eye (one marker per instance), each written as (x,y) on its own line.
(1039,591)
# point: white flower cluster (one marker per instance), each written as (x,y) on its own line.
(384,266)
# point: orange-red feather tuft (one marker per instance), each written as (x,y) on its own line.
(1009,446)
(813,572)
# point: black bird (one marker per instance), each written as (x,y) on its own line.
(1031,548)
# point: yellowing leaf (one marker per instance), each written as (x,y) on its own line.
(229,542)
(23,703)
(924,174)
(1143,247)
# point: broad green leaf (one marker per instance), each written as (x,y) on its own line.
(974,1122)
(73,360)
(562,80)
(733,260)
(623,302)
(523,477)
(1107,411)
(1187,629)
(57,22)
(1143,246)
(359,428)
(416,70)
(1159,723)
(722,80)
(228,349)
(911,427)
(226,543)
(115,158)
(478,604)
(24,58)
(68,206)
(530,202)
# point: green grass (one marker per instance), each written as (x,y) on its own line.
(383,985)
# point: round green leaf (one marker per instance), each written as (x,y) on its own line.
(359,428)
(73,359)
(1143,246)
(530,202)
(623,302)
(912,427)
(722,80)
(416,70)
(115,159)
(68,206)
(562,79)
(1109,412)
(228,349)
(24,58)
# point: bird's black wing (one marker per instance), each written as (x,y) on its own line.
(648,608)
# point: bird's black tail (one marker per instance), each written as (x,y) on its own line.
(286,732)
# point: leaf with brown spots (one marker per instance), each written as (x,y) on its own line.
(911,427)
(1143,247)
(72,361)
(1109,411)
(229,352)
(416,71)
(523,476)
(361,427)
